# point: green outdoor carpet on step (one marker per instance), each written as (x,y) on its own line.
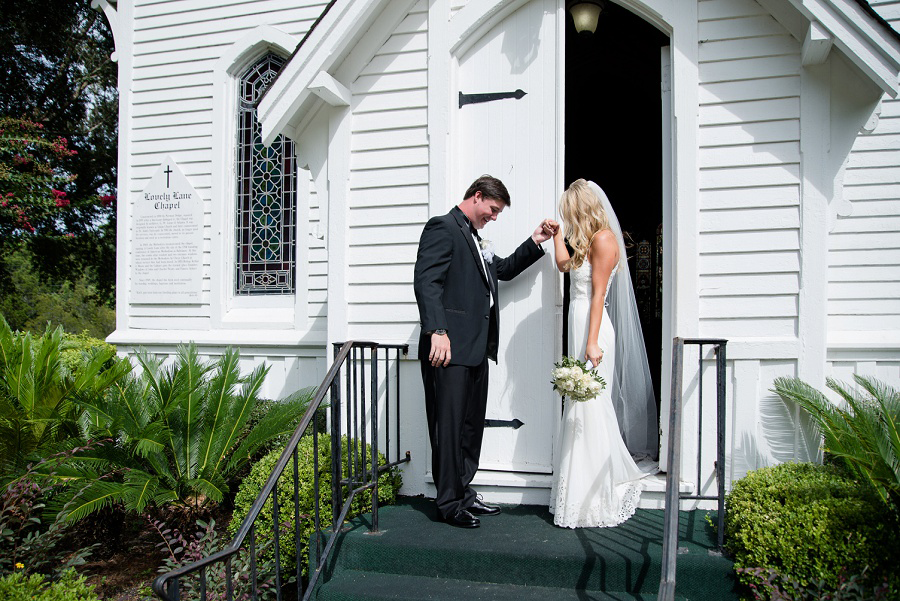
(522,548)
(366,586)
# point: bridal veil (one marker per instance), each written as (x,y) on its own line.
(632,388)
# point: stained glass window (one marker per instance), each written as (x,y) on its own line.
(266,194)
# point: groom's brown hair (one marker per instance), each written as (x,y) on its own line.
(490,187)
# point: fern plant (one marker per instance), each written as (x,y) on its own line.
(40,396)
(177,434)
(863,435)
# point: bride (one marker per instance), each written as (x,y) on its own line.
(596,481)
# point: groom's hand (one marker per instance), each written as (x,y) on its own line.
(440,350)
(545,230)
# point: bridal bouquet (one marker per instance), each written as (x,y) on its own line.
(573,380)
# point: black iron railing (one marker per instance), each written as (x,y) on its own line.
(673,475)
(359,382)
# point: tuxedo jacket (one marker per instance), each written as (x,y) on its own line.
(453,293)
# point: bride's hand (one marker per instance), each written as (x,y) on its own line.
(593,353)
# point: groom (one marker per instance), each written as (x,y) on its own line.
(456,289)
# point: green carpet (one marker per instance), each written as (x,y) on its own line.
(519,555)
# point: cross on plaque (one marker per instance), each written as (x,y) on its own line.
(167,172)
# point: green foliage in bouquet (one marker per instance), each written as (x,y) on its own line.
(389,483)
(573,380)
(810,524)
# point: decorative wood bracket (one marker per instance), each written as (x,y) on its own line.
(330,90)
(465,99)
(817,44)
(515,424)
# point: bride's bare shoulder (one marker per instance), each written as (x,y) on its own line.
(604,240)
(604,247)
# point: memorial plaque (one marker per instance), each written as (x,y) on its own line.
(167,240)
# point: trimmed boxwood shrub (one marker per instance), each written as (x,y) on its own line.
(76,346)
(388,485)
(69,587)
(810,523)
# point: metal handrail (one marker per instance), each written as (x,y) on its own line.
(359,478)
(673,476)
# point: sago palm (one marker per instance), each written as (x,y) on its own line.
(39,396)
(863,435)
(177,434)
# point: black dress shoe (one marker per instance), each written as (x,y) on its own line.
(462,519)
(479,508)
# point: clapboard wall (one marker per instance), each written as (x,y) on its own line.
(176,46)
(388,183)
(749,172)
(864,247)
(171,85)
(749,231)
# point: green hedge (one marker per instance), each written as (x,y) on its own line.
(70,587)
(810,523)
(75,346)
(388,485)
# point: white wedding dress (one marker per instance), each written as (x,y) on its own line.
(596,482)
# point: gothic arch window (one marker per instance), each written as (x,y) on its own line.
(266,193)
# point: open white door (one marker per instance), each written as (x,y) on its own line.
(514,137)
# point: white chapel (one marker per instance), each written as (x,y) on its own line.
(279,158)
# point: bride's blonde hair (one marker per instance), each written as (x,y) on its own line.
(581,211)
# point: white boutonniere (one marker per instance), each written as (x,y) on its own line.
(487,250)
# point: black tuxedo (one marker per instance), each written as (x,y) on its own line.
(453,294)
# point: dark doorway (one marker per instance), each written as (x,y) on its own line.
(614,137)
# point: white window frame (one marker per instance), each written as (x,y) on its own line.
(228,309)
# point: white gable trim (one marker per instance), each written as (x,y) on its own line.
(253,45)
(324,49)
(863,40)
(476,18)
(480,16)
(112,16)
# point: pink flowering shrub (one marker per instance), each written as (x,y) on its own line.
(32,177)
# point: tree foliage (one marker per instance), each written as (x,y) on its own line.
(56,76)
(31,179)
(32,302)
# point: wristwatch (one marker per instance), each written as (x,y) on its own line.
(441,332)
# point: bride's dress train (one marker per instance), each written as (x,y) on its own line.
(596,482)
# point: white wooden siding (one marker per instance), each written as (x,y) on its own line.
(887,370)
(749,158)
(176,47)
(760,430)
(288,373)
(389,183)
(864,246)
(317,284)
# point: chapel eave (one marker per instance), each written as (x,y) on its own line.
(864,38)
(293,92)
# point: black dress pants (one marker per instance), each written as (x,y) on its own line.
(455,405)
